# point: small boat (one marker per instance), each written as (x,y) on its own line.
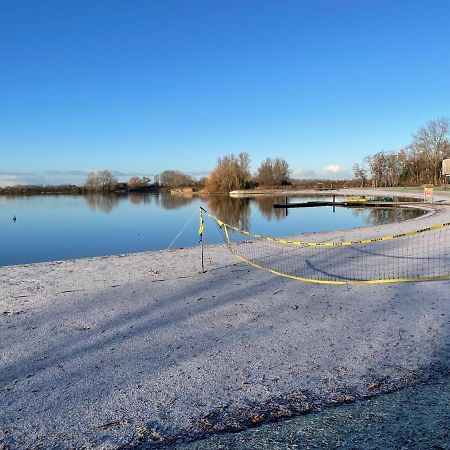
(356,199)
(382,199)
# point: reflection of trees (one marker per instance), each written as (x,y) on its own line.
(102,202)
(380,216)
(173,201)
(234,211)
(265,205)
(136,198)
(356,212)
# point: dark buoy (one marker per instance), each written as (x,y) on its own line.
(14,218)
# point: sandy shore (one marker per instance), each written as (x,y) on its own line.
(142,349)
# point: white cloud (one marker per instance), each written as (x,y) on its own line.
(9,180)
(332,168)
(334,171)
(300,173)
(12,178)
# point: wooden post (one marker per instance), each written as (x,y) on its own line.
(203,266)
(200,232)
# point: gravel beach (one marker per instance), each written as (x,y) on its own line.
(143,350)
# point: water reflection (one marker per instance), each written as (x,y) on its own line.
(380,216)
(100,224)
(237,210)
(265,205)
(137,198)
(107,202)
(102,202)
(174,201)
(234,211)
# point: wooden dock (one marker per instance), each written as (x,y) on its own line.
(371,204)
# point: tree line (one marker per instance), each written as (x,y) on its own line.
(418,163)
(231,172)
(106,181)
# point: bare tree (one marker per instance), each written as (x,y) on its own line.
(244,174)
(273,172)
(393,168)
(280,171)
(431,143)
(385,169)
(231,172)
(360,172)
(138,182)
(418,163)
(264,174)
(175,179)
(100,181)
(377,167)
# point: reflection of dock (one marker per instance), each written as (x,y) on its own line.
(350,204)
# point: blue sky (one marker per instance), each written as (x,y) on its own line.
(143,86)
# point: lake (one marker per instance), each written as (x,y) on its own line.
(65,227)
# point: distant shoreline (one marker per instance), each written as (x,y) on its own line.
(275,191)
(72,190)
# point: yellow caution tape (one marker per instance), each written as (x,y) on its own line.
(202,224)
(226,226)
(316,280)
(329,243)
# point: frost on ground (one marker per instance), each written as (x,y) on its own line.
(143,349)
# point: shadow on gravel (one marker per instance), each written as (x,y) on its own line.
(291,348)
(384,380)
(136,323)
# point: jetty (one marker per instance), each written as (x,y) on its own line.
(344,204)
(351,202)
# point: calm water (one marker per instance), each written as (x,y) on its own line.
(65,227)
